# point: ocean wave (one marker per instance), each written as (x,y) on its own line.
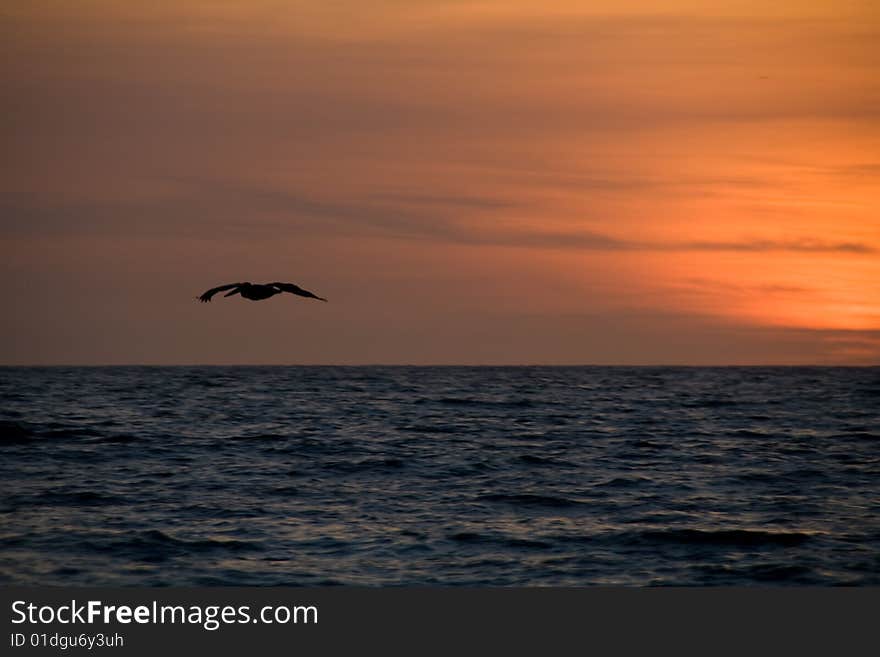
(773,573)
(714,403)
(856,435)
(723,537)
(155,544)
(62,497)
(474,401)
(13,433)
(365,464)
(530,499)
(624,482)
(513,543)
(532,459)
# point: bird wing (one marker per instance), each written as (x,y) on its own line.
(295,289)
(214,290)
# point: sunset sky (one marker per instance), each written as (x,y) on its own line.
(496,182)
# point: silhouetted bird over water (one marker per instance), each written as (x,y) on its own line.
(258,292)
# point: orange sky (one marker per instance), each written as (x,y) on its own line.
(468,182)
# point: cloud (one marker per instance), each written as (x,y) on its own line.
(808,245)
(588,240)
(715,286)
(211,208)
(862,171)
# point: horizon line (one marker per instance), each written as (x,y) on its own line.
(559,365)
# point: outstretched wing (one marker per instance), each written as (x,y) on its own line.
(295,289)
(214,290)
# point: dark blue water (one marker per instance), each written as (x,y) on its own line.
(440,476)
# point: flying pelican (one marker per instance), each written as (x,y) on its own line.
(258,292)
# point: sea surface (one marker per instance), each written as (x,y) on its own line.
(379,476)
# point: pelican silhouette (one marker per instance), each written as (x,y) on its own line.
(258,292)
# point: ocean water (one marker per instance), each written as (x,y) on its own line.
(482,476)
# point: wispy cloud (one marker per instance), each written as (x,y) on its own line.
(207,207)
(862,171)
(808,245)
